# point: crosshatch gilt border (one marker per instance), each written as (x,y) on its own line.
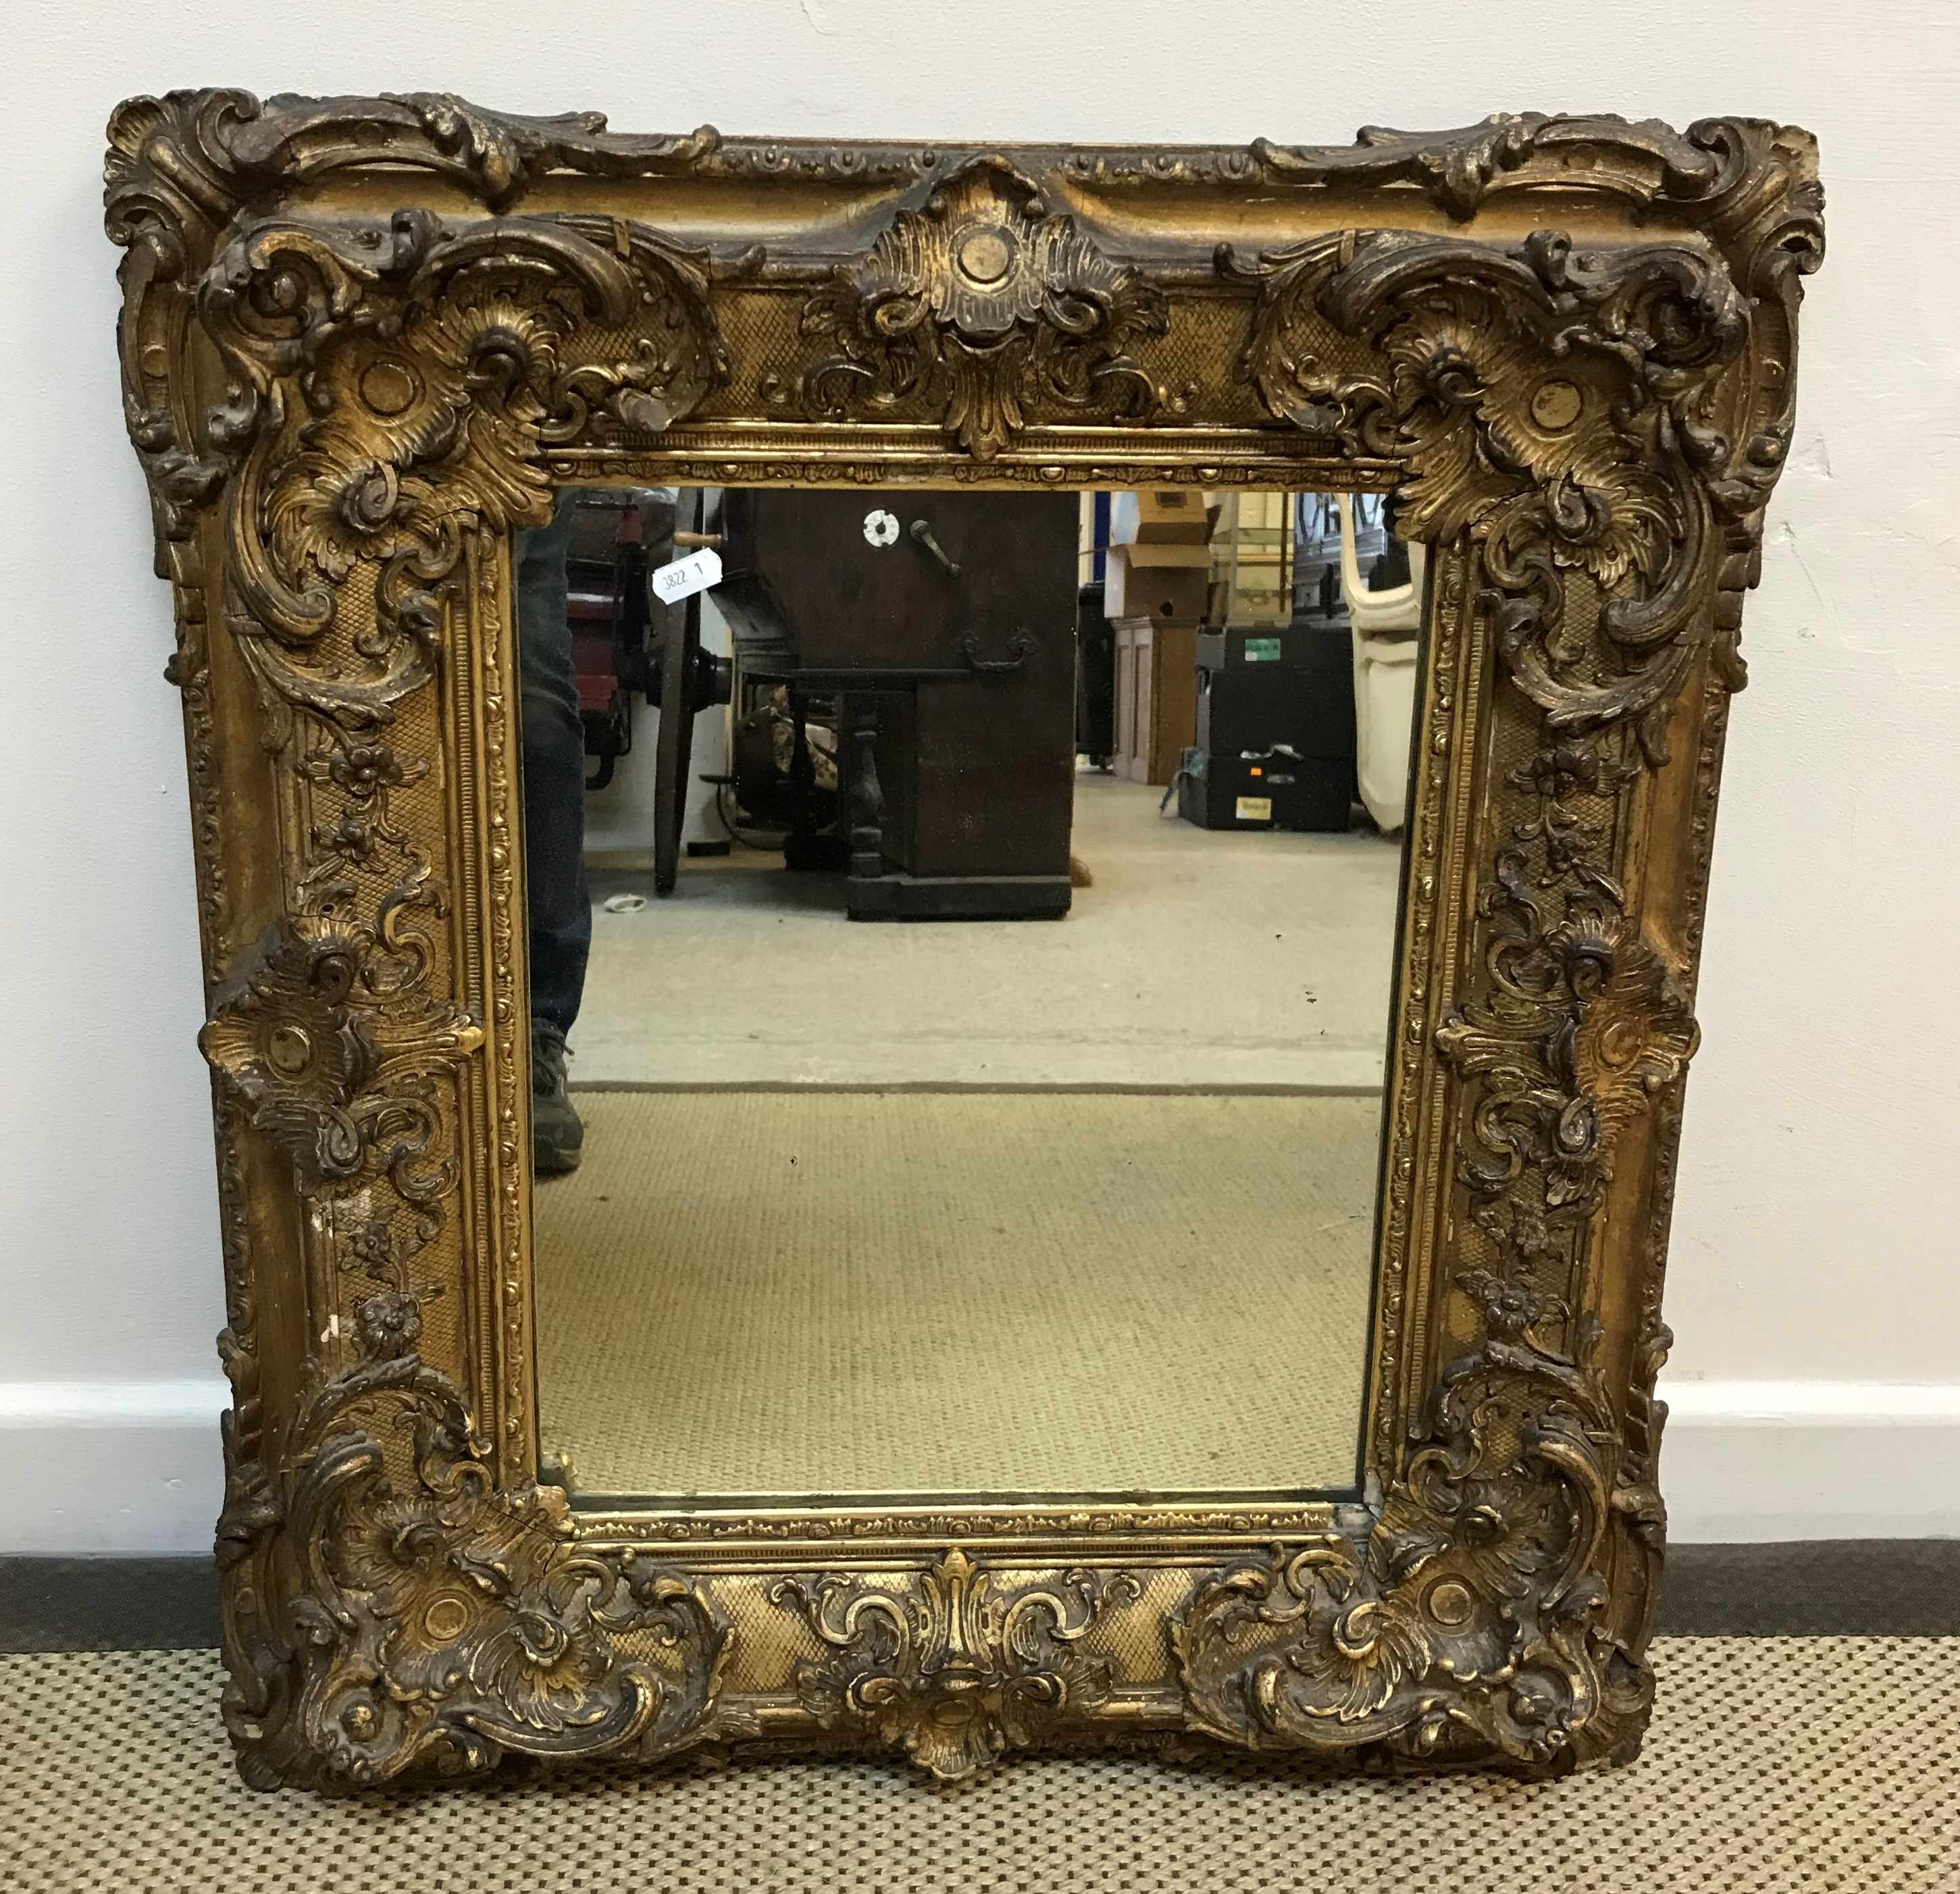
(361,338)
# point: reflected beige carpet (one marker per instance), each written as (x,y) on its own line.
(831,1293)
(1774,1764)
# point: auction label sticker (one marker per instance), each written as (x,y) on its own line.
(1254,808)
(684,577)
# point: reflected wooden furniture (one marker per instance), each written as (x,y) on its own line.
(1156,696)
(1155,594)
(944,623)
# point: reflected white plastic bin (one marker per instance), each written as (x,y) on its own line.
(1384,626)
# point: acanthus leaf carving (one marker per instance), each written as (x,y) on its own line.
(989,313)
(958,1669)
(1653,472)
(445,1623)
(1560,408)
(397,387)
(1584,1025)
(1460,1627)
(181,167)
(1282,355)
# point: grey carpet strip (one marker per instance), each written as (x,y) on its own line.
(108,1604)
(1814,1588)
(1863,1588)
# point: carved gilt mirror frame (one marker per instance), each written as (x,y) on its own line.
(361,340)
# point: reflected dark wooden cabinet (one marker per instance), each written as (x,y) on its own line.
(944,624)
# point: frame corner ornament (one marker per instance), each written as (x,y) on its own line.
(1468,1626)
(444,1624)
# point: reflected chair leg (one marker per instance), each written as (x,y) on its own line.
(867,799)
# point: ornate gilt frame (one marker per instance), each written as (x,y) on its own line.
(360,339)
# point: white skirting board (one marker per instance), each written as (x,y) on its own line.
(1759,1461)
(132,1466)
(110,1467)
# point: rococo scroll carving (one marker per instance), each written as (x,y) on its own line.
(988,311)
(1583,1027)
(958,1669)
(1460,1626)
(399,385)
(182,167)
(1578,411)
(1458,170)
(1562,413)
(392,388)
(442,1624)
(199,156)
(1558,405)
(1594,425)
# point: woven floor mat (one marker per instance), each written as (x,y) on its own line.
(1774,1765)
(877,1292)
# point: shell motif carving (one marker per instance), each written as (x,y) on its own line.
(957,1669)
(330,1043)
(987,313)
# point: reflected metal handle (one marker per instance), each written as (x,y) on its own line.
(922,535)
(1019,648)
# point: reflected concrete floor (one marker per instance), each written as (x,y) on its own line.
(1195,959)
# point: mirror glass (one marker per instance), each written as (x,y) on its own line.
(962,932)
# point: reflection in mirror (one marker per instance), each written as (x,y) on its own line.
(961,939)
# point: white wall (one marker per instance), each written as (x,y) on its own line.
(1816,1280)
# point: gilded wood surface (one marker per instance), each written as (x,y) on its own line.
(361,338)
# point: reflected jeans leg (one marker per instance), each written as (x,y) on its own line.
(554,734)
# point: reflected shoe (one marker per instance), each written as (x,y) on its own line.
(557,1135)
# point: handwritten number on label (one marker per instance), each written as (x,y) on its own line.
(684,577)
